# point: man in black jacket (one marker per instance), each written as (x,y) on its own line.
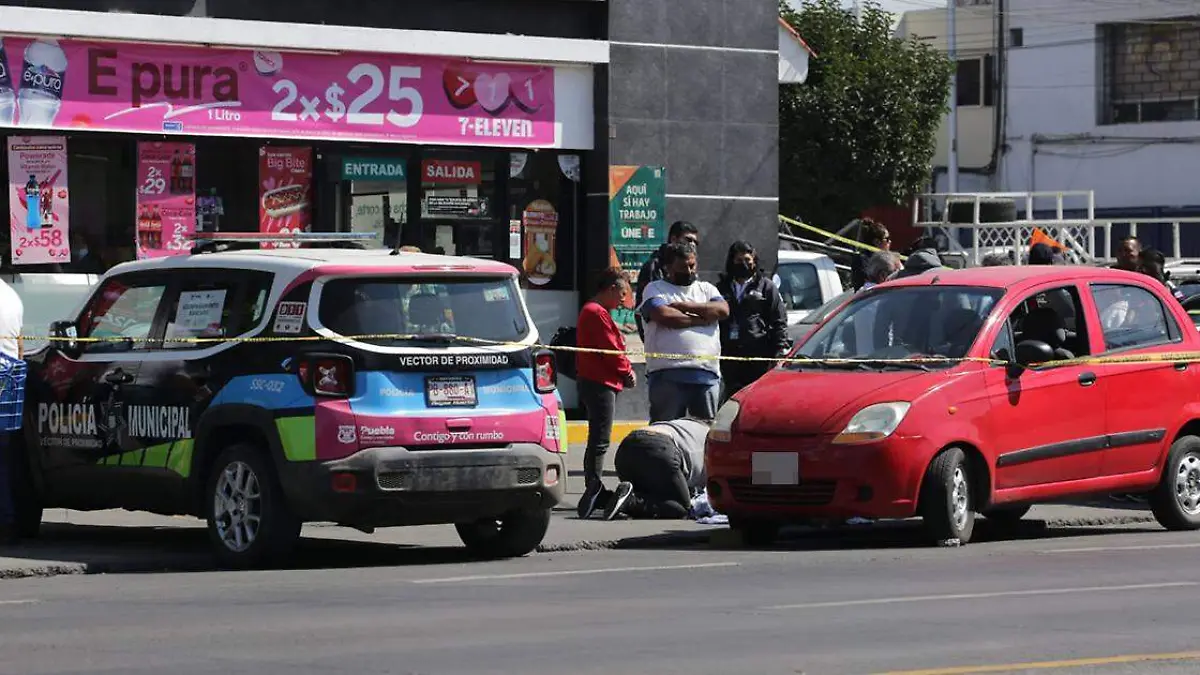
(653,270)
(757,323)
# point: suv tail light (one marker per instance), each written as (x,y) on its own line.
(545,372)
(329,375)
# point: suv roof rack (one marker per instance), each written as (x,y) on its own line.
(213,242)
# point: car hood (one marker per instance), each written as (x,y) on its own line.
(813,402)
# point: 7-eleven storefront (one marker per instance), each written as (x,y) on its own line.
(119,146)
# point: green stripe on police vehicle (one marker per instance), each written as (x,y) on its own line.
(175,456)
(298,435)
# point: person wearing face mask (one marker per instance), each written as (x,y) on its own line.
(683,341)
(757,323)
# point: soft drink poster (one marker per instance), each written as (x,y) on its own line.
(38,208)
(166,199)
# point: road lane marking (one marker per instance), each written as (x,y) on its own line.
(17,602)
(1098,549)
(568,573)
(1051,665)
(981,596)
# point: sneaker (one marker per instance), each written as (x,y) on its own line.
(587,503)
(621,495)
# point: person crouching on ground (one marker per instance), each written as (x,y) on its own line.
(659,467)
(601,377)
(757,323)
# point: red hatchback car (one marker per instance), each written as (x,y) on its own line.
(981,419)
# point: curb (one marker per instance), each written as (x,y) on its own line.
(691,538)
(577,431)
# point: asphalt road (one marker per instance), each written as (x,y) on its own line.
(864,603)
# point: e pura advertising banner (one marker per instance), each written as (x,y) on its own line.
(166,199)
(38,209)
(177,89)
(285,191)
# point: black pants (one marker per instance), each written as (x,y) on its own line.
(738,374)
(600,402)
(652,463)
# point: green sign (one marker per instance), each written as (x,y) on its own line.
(374,168)
(637,210)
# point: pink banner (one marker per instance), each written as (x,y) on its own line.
(241,92)
(37,196)
(166,199)
(285,191)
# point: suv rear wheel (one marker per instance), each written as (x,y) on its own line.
(1176,500)
(947,501)
(510,536)
(249,523)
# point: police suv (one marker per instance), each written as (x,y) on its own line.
(261,389)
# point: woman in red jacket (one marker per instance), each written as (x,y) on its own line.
(600,377)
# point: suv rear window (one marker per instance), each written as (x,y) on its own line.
(436,308)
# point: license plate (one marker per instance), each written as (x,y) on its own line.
(450,392)
(775,468)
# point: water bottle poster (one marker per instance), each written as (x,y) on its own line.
(285,191)
(194,90)
(166,199)
(38,211)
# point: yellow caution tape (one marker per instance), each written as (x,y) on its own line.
(831,235)
(1165,357)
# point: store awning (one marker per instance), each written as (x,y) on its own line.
(128,27)
(794,53)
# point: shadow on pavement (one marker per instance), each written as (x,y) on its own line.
(98,549)
(886,535)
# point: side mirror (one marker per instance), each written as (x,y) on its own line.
(65,336)
(1030,352)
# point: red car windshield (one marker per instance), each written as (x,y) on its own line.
(906,322)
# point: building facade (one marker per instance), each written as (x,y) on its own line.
(1105,97)
(977,88)
(472,127)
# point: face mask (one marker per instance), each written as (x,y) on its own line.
(742,270)
(686,279)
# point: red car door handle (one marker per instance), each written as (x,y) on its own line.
(1181,366)
(1087,379)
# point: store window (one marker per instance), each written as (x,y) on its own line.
(458,204)
(378,196)
(544,194)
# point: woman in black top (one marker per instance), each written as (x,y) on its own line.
(757,323)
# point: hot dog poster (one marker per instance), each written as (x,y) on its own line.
(166,199)
(37,198)
(285,191)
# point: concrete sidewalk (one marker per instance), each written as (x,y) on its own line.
(75,542)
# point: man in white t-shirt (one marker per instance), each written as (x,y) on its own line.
(12,312)
(682,321)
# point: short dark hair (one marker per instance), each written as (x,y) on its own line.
(1041,254)
(673,252)
(610,278)
(682,227)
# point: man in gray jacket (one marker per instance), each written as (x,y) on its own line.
(659,467)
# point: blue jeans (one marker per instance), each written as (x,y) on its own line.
(671,400)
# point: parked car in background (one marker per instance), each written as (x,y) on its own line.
(803,327)
(806,281)
(964,394)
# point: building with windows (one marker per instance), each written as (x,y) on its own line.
(1105,96)
(978,106)
(472,127)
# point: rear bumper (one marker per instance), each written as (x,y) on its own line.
(876,480)
(396,486)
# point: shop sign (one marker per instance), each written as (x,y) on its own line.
(541,230)
(37,197)
(285,189)
(376,169)
(637,214)
(177,89)
(452,172)
(166,199)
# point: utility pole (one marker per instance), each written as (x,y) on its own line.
(952,127)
